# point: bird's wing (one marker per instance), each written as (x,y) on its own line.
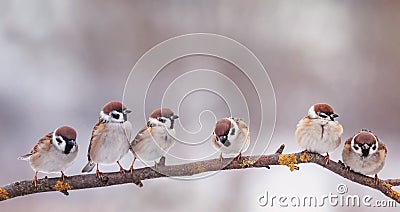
(43,144)
(98,129)
(143,133)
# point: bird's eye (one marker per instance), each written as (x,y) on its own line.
(59,141)
(161,120)
(115,115)
(323,115)
(374,147)
(356,147)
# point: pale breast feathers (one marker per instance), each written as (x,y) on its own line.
(242,125)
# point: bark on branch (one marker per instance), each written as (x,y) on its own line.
(77,182)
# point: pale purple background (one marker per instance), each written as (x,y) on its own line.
(60,61)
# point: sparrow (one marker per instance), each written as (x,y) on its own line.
(231,136)
(318,131)
(365,153)
(155,139)
(110,137)
(55,152)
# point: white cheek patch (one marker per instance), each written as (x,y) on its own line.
(376,144)
(373,150)
(104,117)
(167,123)
(233,131)
(60,146)
(153,122)
(311,112)
(120,117)
(356,149)
(353,146)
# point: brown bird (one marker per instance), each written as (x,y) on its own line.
(55,152)
(110,137)
(365,153)
(231,136)
(155,139)
(318,131)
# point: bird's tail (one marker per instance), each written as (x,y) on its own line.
(89,166)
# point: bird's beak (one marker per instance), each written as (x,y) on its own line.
(69,146)
(126,111)
(71,143)
(174,117)
(222,139)
(333,116)
(365,151)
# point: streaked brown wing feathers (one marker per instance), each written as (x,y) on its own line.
(97,130)
(142,133)
(43,143)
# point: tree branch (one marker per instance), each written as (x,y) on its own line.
(77,182)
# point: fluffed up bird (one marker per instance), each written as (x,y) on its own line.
(318,131)
(155,139)
(365,153)
(231,136)
(55,152)
(110,137)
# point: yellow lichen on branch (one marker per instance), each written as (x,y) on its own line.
(305,157)
(288,160)
(391,189)
(3,194)
(77,182)
(247,163)
(62,186)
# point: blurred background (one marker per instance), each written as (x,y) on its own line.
(61,61)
